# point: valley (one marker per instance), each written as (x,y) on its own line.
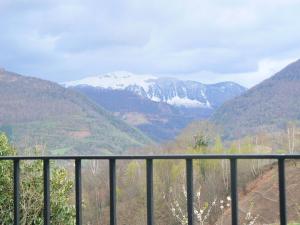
(166,105)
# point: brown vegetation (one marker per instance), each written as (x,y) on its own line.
(260,197)
(211,180)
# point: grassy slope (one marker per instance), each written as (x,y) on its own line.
(38,112)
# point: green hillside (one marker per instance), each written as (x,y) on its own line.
(265,107)
(34,112)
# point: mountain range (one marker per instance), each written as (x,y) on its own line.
(38,112)
(160,107)
(181,93)
(269,106)
(138,109)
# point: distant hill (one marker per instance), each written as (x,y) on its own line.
(158,120)
(267,106)
(39,112)
(160,107)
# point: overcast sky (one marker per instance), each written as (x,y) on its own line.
(205,40)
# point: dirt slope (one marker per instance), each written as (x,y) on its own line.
(261,198)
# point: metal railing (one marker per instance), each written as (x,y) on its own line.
(149,182)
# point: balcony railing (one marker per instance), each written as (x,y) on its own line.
(149,182)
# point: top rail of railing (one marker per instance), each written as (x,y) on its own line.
(166,156)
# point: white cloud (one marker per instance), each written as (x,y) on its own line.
(65,40)
(265,69)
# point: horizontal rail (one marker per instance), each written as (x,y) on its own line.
(143,157)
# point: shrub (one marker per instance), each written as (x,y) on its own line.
(31,202)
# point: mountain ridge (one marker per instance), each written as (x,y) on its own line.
(181,93)
(267,106)
(160,107)
(290,72)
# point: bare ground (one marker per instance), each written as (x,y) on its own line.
(260,200)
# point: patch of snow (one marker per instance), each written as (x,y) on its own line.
(115,80)
(155,99)
(186,102)
(208,105)
(203,95)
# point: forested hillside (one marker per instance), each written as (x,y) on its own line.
(268,106)
(34,112)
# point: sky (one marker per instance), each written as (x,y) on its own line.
(245,41)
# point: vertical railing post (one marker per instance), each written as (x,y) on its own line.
(46,166)
(78,191)
(16,192)
(234,194)
(190,194)
(282,194)
(112,188)
(150,220)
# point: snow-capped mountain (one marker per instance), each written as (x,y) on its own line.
(190,94)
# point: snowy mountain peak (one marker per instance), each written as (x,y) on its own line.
(115,80)
(168,90)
